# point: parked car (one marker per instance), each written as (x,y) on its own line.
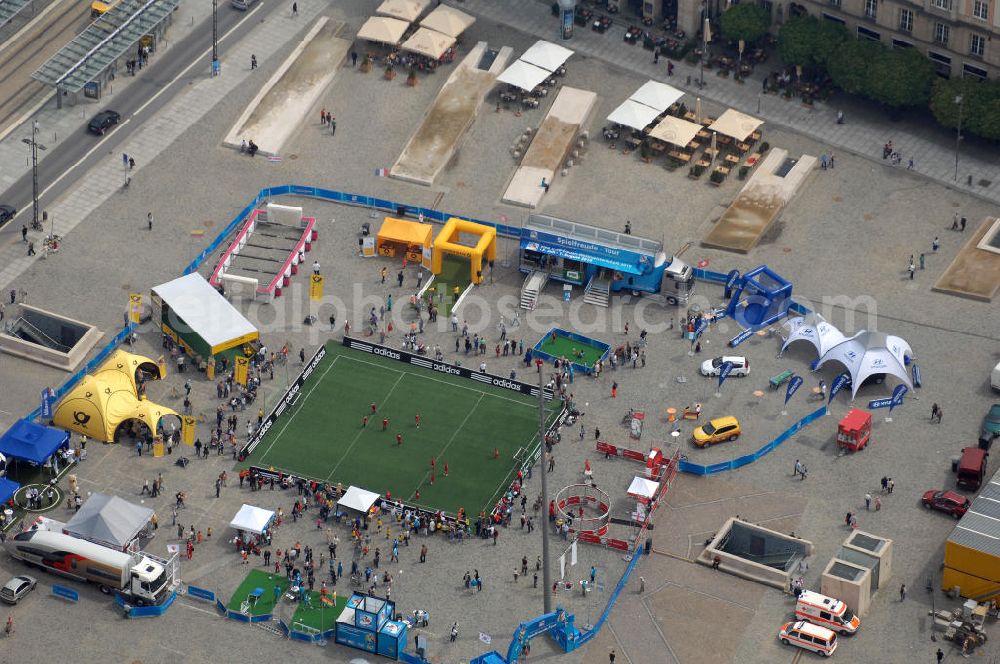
(17,588)
(948,502)
(805,635)
(7,213)
(104,121)
(716,431)
(741,366)
(991,427)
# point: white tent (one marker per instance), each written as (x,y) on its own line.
(675,131)
(735,124)
(657,95)
(642,489)
(109,521)
(383,29)
(360,500)
(448,20)
(633,114)
(406,10)
(869,353)
(428,42)
(203,319)
(546,55)
(524,76)
(814,329)
(252,519)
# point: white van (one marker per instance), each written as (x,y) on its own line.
(741,366)
(995,378)
(809,637)
(826,612)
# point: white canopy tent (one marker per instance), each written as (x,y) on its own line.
(252,519)
(448,20)
(735,124)
(360,500)
(814,329)
(869,353)
(428,42)
(633,114)
(523,75)
(657,95)
(109,521)
(383,29)
(642,489)
(406,10)
(546,55)
(675,130)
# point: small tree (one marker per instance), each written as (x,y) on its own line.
(900,77)
(849,67)
(980,105)
(797,41)
(745,21)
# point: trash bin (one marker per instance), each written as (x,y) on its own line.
(649,545)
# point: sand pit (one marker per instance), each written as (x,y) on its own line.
(278,110)
(550,145)
(760,202)
(975,272)
(449,117)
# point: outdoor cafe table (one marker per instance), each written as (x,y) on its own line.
(690,116)
(732,159)
(683,157)
(704,163)
(710,153)
(743,147)
(693,145)
(704,135)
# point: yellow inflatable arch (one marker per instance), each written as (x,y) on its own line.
(447,242)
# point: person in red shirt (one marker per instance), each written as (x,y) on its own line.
(385,424)
(417,418)
(373,406)
(399,439)
(364,421)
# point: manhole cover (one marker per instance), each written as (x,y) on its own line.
(787,250)
(293,157)
(985,183)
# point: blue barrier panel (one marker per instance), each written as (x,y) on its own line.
(220,607)
(65,593)
(201,593)
(410,659)
(739,462)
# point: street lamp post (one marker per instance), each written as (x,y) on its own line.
(544,530)
(35,147)
(215,37)
(960,100)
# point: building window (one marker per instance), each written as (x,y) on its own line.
(906,20)
(941,33)
(942,4)
(869,34)
(871,9)
(834,19)
(899,43)
(835,3)
(977,45)
(971,71)
(981,9)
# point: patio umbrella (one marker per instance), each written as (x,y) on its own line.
(657,95)
(634,115)
(448,20)
(428,42)
(406,10)
(675,131)
(524,76)
(383,29)
(715,146)
(735,124)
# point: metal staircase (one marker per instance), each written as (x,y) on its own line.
(597,292)
(533,285)
(29,332)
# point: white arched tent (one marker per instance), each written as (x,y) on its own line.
(869,353)
(812,328)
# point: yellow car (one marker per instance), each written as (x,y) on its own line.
(716,431)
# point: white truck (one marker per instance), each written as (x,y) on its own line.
(142,580)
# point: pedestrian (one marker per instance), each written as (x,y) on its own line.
(934,412)
(909,166)
(902,592)
(333,126)
(935,244)
(253,62)
(534,580)
(333,320)
(611,656)
(868,502)
(961,225)
(798,468)
(940,656)
(921,261)
(552,462)
(878,503)
(382,273)
(614,389)
(885,483)
(423,553)
(149,221)
(295,9)
(954,222)
(642,585)
(131,163)
(302,355)
(892,484)
(31,248)
(354,58)
(322,116)
(24,239)
(911,268)
(939,414)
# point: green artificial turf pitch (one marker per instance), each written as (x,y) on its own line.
(461,423)
(258,579)
(318,615)
(564,347)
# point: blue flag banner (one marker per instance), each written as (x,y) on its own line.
(915,370)
(793,386)
(897,396)
(48,396)
(839,383)
(700,326)
(724,371)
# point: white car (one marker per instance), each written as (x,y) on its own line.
(741,365)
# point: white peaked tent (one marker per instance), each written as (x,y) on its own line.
(357,499)
(252,519)
(546,55)
(109,521)
(657,95)
(405,10)
(869,353)
(814,329)
(448,20)
(633,114)
(524,76)
(383,29)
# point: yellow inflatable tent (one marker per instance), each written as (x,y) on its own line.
(447,242)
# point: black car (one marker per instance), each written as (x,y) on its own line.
(104,121)
(7,213)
